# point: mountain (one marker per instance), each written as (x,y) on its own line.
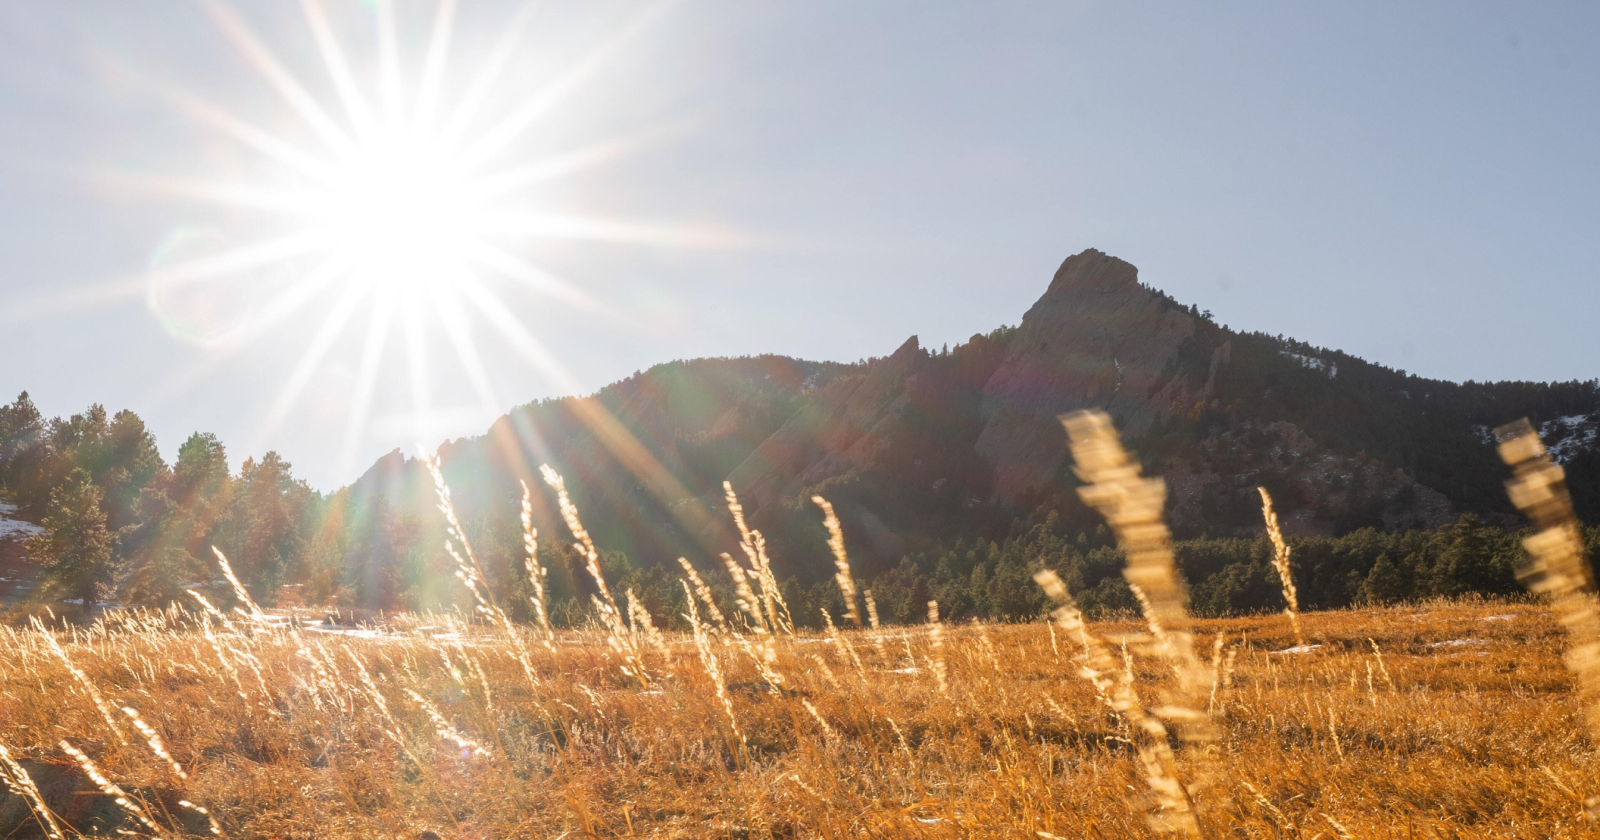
(917,448)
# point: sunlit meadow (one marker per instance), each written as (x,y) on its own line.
(1431,720)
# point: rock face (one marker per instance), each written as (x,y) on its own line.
(1096,338)
(919,447)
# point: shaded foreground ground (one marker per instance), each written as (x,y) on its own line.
(1464,727)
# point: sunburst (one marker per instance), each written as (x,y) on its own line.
(403,203)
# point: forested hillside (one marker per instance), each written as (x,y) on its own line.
(947,467)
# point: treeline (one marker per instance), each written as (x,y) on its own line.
(992,580)
(124,525)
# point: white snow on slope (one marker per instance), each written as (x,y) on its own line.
(1330,368)
(15,529)
(1581,434)
(1563,437)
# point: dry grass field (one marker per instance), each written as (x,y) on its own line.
(1464,727)
(1465,719)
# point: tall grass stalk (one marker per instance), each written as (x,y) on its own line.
(708,660)
(536,572)
(113,790)
(754,547)
(936,657)
(1280,562)
(621,640)
(841,560)
(19,782)
(1170,808)
(1133,507)
(1558,568)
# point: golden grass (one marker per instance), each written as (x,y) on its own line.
(384,737)
(1280,562)
(1132,505)
(1557,567)
(743,727)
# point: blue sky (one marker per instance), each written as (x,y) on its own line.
(1415,183)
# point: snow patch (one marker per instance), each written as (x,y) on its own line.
(15,529)
(1314,363)
(349,632)
(1577,432)
(1506,617)
(1299,649)
(1457,643)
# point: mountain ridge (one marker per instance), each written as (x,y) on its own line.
(919,447)
(947,468)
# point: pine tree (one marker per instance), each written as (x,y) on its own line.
(1387,583)
(21,452)
(75,549)
(1474,560)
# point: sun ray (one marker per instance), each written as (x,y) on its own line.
(433,65)
(520,178)
(264,142)
(70,300)
(325,274)
(366,382)
(279,309)
(260,255)
(219,193)
(488,73)
(610,432)
(521,339)
(459,335)
(416,340)
(390,81)
(603,229)
(558,89)
(333,57)
(315,350)
(240,259)
(279,77)
(537,279)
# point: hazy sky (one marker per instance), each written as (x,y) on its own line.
(1413,183)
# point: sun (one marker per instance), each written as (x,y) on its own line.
(404,214)
(395,209)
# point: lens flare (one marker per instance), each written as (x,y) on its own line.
(203,313)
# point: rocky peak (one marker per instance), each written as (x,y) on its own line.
(1093,270)
(908,352)
(1096,338)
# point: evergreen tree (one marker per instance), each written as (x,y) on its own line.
(263,534)
(1387,583)
(75,549)
(1473,560)
(23,455)
(129,462)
